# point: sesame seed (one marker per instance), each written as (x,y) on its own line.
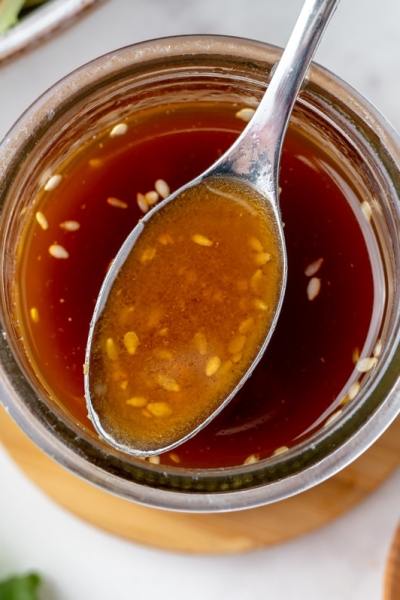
(212,366)
(174,457)
(250,460)
(201,240)
(236,357)
(70,225)
(313,267)
(116,203)
(162,188)
(366,364)
(313,288)
(95,163)
(142,203)
(155,460)
(111,349)
(262,258)
(163,354)
(85,369)
(255,244)
(159,409)
(236,344)
(332,417)
(200,342)
(53,182)
(353,390)
(131,342)
(137,401)
(225,367)
(41,219)
(246,325)
(125,314)
(280,450)
(148,255)
(119,129)
(154,318)
(245,114)
(259,304)
(151,197)
(168,383)
(255,281)
(165,239)
(378,348)
(34,314)
(58,251)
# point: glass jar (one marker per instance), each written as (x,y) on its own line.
(222,70)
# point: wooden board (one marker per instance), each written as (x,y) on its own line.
(206,533)
(392,580)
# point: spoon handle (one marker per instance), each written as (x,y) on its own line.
(256,153)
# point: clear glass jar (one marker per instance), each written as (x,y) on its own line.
(188,69)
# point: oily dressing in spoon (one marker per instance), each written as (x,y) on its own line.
(176,390)
(186,316)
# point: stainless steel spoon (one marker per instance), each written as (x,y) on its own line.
(254,158)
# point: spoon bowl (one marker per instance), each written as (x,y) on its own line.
(246,176)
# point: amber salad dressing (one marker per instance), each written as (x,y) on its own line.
(89,206)
(187,314)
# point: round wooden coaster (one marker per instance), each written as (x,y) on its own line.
(206,533)
(392,580)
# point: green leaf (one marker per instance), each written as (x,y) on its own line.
(9,10)
(29,3)
(20,587)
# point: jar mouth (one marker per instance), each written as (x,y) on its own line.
(230,61)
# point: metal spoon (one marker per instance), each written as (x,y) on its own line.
(253,159)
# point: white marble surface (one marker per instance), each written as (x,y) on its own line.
(342,561)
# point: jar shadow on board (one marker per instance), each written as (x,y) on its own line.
(75,173)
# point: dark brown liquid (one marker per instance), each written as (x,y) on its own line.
(311,355)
